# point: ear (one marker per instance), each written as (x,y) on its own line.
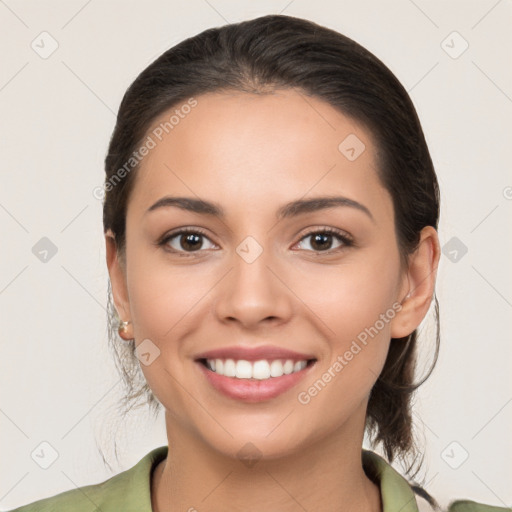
(117,272)
(418,286)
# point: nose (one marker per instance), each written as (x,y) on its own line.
(254,293)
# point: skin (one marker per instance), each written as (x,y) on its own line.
(252,154)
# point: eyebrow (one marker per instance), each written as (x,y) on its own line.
(290,209)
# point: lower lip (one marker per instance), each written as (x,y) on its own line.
(254,390)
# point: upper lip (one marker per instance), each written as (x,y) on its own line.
(268,352)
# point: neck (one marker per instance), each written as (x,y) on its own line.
(325,476)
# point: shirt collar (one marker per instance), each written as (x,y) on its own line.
(396,493)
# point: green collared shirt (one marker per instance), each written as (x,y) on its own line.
(130,491)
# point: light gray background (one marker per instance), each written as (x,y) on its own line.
(58,382)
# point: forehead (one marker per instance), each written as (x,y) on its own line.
(247,149)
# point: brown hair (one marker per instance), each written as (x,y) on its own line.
(257,56)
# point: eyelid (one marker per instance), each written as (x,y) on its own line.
(328,229)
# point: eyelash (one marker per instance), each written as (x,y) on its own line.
(343,237)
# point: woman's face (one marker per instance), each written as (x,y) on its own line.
(254,281)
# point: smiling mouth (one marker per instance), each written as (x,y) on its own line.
(263,369)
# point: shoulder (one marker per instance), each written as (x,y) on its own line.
(398,493)
(426,503)
(129,491)
(79,500)
(473,506)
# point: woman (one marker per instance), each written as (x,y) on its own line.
(270,222)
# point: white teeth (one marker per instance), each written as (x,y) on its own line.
(299,365)
(288,367)
(243,370)
(229,368)
(276,369)
(260,370)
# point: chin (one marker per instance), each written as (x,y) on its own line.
(250,450)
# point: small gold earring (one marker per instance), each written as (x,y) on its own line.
(122,328)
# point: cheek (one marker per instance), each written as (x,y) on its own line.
(355,305)
(163,296)
(163,299)
(368,293)
(351,297)
(358,311)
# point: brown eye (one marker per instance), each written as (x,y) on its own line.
(322,240)
(190,241)
(185,241)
